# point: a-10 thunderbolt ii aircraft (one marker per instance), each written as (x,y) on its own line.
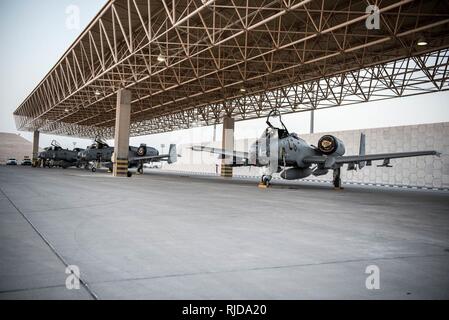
(55,155)
(280,151)
(100,153)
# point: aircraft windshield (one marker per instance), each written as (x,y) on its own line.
(294,135)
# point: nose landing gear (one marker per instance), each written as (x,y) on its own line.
(265,181)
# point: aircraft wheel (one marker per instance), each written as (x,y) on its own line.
(129,174)
(94,169)
(266,180)
(140,170)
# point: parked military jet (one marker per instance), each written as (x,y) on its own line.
(55,155)
(280,151)
(100,153)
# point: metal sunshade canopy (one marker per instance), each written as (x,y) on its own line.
(191,62)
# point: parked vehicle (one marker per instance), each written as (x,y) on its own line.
(11,162)
(26,162)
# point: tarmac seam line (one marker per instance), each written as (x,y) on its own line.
(52,248)
(192,274)
(31,289)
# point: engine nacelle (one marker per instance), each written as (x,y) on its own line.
(295,173)
(320,172)
(331,145)
(142,150)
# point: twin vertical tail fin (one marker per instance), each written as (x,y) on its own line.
(172,154)
(362,150)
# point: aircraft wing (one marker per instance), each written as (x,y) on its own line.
(238,155)
(368,157)
(150,158)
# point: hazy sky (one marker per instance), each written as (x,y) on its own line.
(33,36)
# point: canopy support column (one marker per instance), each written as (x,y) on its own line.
(121,137)
(35,147)
(228,145)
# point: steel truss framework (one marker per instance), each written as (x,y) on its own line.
(190,62)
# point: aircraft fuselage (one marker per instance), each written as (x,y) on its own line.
(104,154)
(291,150)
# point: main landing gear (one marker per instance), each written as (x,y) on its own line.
(337,179)
(140,168)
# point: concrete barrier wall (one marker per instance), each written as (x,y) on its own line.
(428,171)
(14,146)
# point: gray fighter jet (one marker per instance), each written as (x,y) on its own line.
(278,151)
(100,154)
(56,156)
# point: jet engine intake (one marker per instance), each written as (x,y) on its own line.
(142,150)
(329,144)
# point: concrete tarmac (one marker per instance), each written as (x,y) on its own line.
(173,236)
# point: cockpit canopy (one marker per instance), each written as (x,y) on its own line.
(98,145)
(282,131)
